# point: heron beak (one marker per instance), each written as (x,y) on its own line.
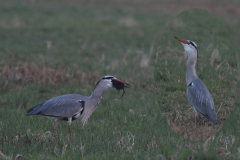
(181,40)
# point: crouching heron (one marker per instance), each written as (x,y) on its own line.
(69,107)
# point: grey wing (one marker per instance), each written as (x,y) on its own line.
(200,98)
(62,106)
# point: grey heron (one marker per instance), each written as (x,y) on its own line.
(69,107)
(198,95)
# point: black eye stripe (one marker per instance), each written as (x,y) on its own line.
(193,44)
(107,77)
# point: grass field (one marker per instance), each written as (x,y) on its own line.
(50,48)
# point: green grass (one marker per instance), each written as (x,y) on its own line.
(81,44)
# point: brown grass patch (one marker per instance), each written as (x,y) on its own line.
(183,120)
(26,73)
(193,131)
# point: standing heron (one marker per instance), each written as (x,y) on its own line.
(71,106)
(198,95)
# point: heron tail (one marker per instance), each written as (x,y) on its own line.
(34,110)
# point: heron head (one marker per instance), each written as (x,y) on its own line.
(189,46)
(113,82)
(107,81)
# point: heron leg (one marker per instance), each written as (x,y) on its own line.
(69,124)
(54,128)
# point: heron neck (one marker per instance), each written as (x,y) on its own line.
(98,92)
(191,72)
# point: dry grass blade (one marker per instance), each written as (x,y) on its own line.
(126,142)
(238,64)
(215,57)
(19,156)
(4,156)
